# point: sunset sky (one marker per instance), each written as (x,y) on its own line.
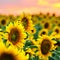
(29,6)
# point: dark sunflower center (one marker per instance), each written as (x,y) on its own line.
(44,16)
(47,14)
(56,21)
(57,31)
(25,22)
(46,25)
(32,30)
(43,33)
(6,56)
(59,24)
(3,22)
(45,46)
(53,15)
(14,35)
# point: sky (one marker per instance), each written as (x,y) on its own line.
(29,6)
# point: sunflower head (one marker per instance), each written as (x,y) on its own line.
(56,29)
(43,32)
(11,17)
(7,56)
(53,14)
(35,19)
(47,25)
(33,31)
(11,53)
(45,46)
(26,22)
(44,16)
(41,14)
(4,21)
(14,35)
(42,21)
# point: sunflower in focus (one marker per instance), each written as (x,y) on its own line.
(45,46)
(15,34)
(11,53)
(26,21)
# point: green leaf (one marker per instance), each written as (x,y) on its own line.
(4,41)
(58,49)
(28,43)
(3,27)
(51,58)
(50,32)
(32,46)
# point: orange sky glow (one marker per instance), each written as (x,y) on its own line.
(29,6)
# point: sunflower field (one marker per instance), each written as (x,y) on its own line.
(30,37)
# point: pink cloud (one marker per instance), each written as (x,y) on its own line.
(31,6)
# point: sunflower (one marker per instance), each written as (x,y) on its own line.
(44,16)
(55,21)
(42,21)
(11,17)
(57,30)
(26,21)
(48,15)
(4,21)
(41,14)
(54,15)
(11,53)
(35,19)
(15,34)
(45,45)
(33,31)
(47,25)
(43,32)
